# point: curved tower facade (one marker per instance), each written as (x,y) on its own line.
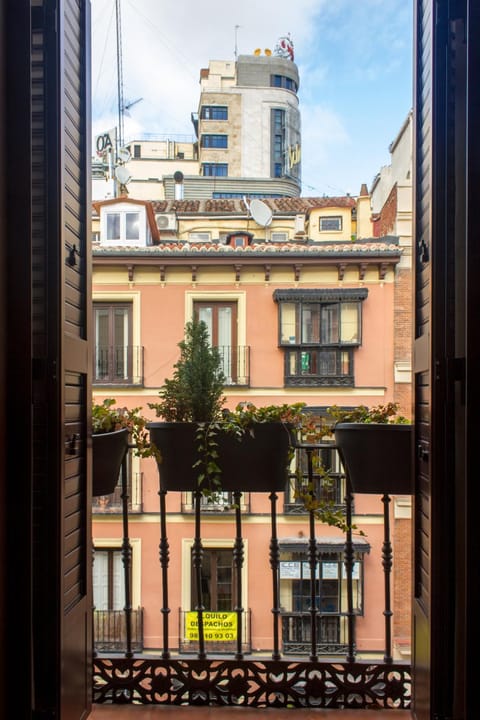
(249,123)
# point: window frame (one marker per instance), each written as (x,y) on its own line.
(106,354)
(216,112)
(216,141)
(214,169)
(328,218)
(123,212)
(317,340)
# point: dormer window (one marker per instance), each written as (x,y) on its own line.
(239,239)
(123,224)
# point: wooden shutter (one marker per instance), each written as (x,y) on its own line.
(447,297)
(60,335)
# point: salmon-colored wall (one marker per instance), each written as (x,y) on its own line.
(162,318)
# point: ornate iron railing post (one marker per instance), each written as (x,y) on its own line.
(387,569)
(126,559)
(197,557)
(312,556)
(348,560)
(275,564)
(238,557)
(164,560)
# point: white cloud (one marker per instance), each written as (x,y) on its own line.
(350,56)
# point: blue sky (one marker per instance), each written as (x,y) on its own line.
(354,60)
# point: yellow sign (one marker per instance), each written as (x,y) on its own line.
(217,626)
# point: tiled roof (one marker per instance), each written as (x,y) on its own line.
(386,249)
(237,205)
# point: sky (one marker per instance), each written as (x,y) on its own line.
(354,59)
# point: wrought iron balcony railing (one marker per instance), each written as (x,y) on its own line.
(113,503)
(332,633)
(235,364)
(118,365)
(110,630)
(325,624)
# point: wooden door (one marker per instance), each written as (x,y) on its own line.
(221,320)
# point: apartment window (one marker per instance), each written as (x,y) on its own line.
(221,320)
(279,237)
(330,224)
(215,169)
(330,583)
(137,151)
(329,489)
(199,237)
(282,81)
(122,226)
(319,331)
(214,112)
(214,141)
(278,143)
(108,579)
(217,580)
(113,351)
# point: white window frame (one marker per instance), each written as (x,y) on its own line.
(123,209)
(279,236)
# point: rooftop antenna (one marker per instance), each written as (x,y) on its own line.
(236,47)
(121,104)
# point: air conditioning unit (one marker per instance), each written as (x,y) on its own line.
(299,224)
(166,221)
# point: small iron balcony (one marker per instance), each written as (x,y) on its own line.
(118,365)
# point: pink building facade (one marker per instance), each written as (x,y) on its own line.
(303,310)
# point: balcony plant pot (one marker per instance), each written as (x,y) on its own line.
(257,461)
(108,452)
(377,456)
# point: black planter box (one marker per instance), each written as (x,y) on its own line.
(377,457)
(108,452)
(257,463)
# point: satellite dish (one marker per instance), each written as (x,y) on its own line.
(124,155)
(260,212)
(122,174)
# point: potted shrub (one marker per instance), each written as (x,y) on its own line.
(204,445)
(113,429)
(376,448)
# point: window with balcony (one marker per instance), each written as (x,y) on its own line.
(109,622)
(214,141)
(214,112)
(319,331)
(330,592)
(328,478)
(116,360)
(215,169)
(108,580)
(221,320)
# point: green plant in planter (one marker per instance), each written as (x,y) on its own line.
(259,439)
(375,445)
(383,414)
(113,428)
(194,397)
(108,418)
